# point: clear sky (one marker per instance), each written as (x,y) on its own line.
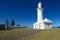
(24,11)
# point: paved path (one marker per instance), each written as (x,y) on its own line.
(21,35)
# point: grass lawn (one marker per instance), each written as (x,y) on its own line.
(8,33)
(49,34)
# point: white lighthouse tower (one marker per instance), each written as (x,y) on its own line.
(39,12)
(41,24)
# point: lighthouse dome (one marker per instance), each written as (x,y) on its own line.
(39,5)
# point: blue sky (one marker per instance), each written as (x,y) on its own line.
(24,11)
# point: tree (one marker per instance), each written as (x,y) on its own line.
(6,24)
(12,23)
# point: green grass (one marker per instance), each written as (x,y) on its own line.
(9,33)
(49,34)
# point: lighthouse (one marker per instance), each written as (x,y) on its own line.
(41,23)
(39,12)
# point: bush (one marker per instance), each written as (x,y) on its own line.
(2,26)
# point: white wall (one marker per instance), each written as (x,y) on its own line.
(47,26)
